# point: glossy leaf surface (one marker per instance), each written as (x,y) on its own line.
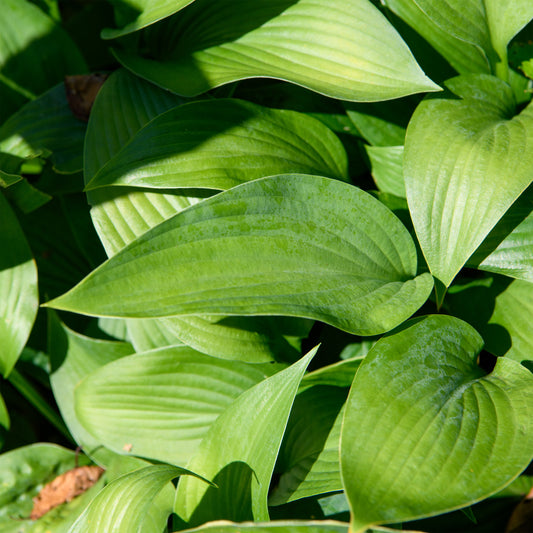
(239,453)
(18,288)
(160,404)
(426,431)
(342,49)
(466,161)
(290,245)
(219,144)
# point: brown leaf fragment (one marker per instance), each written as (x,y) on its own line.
(81,91)
(65,488)
(127,447)
(521,520)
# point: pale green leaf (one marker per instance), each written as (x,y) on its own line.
(466,161)
(387,168)
(73,357)
(292,245)
(18,288)
(278,526)
(160,404)
(137,14)
(124,504)
(46,126)
(508,248)
(344,49)
(150,333)
(239,453)
(218,144)
(339,374)
(457,29)
(308,461)
(35,54)
(426,431)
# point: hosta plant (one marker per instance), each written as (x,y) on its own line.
(265,266)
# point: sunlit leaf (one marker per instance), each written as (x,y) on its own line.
(18,288)
(387,168)
(217,144)
(239,453)
(160,404)
(426,430)
(342,49)
(466,161)
(292,245)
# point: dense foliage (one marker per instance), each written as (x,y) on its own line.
(266,262)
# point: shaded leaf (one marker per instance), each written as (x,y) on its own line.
(218,144)
(465,164)
(160,404)
(423,419)
(342,49)
(387,168)
(239,452)
(18,288)
(359,260)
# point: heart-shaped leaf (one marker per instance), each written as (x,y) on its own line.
(426,431)
(291,245)
(466,161)
(239,452)
(344,49)
(160,404)
(217,144)
(18,288)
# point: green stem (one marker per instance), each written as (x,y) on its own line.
(28,391)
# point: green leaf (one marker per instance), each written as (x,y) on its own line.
(125,502)
(426,431)
(73,357)
(239,453)
(466,161)
(218,144)
(309,456)
(160,404)
(354,265)
(29,39)
(5,422)
(387,168)
(342,49)
(46,126)
(508,248)
(18,288)
(500,309)
(141,13)
(39,464)
(457,29)
(288,526)
(338,374)
(150,333)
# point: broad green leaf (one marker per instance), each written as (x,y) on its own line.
(73,357)
(239,453)
(160,404)
(125,502)
(426,431)
(291,245)
(339,374)
(466,161)
(44,126)
(457,29)
(387,168)
(344,49)
(500,309)
(150,333)
(508,248)
(218,144)
(253,339)
(138,14)
(35,54)
(18,288)
(25,197)
(23,473)
(309,456)
(288,526)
